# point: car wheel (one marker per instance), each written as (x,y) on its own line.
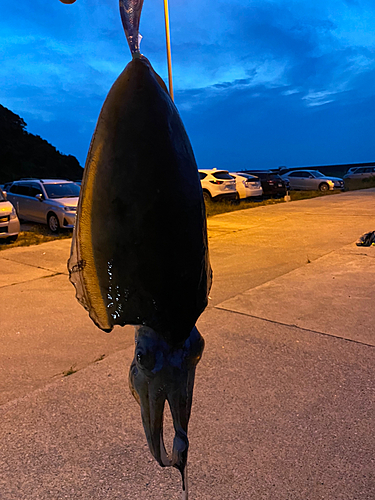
(206,196)
(323,187)
(53,223)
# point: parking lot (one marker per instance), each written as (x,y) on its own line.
(284,394)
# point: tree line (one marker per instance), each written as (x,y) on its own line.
(27,155)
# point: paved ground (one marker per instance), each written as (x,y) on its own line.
(284,399)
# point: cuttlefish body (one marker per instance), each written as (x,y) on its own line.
(139,251)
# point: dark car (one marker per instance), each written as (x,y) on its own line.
(272,184)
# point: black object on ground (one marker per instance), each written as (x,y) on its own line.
(366,240)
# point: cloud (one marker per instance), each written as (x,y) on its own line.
(319,98)
(267,127)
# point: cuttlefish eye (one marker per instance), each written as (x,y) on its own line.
(194,346)
(145,360)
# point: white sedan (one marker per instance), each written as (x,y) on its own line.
(248,186)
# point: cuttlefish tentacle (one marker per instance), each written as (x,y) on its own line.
(161,373)
(130,11)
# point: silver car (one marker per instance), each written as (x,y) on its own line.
(9,223)
(49,201)
(360,173)
(312,180)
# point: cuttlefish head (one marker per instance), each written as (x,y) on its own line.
(159,373)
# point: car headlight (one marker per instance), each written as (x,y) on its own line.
(70,209)
(13,214)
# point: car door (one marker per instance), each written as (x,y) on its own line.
(308,181)
(26,208)
(369,172)
(358,174)
(295,180)
(18,195)
(36,208)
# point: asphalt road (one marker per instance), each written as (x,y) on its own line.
(284,400)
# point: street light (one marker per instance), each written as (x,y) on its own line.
(168,39)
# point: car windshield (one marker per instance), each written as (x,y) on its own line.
(62,190)
(2,196)
(317,174)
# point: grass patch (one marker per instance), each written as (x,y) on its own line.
(215,208)
(34,234)
(354,184)
(305,195)
(221,207)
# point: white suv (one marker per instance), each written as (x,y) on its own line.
(218,185)
(49,201)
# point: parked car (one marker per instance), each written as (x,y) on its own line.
(360,173)
(49,201)
(272,184)
(312,180)
(247,186)
(218,185)
(351,170)
(9,223)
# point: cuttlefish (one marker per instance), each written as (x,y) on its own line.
(139,251)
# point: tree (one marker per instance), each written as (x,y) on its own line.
(26,155)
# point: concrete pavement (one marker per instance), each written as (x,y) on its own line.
(333,295)
(283,406)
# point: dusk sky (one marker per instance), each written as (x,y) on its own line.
(258,83)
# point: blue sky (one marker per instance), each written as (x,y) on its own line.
(259,83)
